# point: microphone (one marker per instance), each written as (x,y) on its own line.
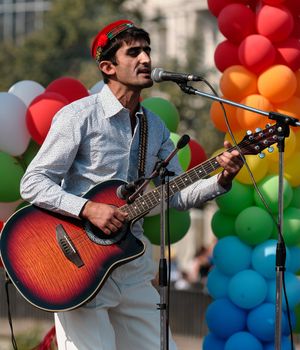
(158,75)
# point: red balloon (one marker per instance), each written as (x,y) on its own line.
(236,21)
(40,113)
(289,53)
(293,6)
(257,53)
(72,89)
(273,2)
(1,225)
(216,6)
(198,154)
(226,55)
(276,23)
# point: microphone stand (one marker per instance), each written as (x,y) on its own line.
(283,122)
(162,171)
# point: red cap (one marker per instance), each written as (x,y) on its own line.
(103,38)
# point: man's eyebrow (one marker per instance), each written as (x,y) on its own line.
(139,47)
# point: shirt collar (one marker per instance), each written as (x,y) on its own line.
(110,104)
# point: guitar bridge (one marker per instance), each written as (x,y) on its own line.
(67,246)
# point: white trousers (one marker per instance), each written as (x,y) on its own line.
(123,316)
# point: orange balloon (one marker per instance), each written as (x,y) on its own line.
(250,120)
(278,83)
(239,135)
(218,118)
(290,107)
(297,75)
(238,82)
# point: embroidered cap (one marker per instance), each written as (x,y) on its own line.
(105,35)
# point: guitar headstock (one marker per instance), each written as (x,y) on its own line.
(260,140)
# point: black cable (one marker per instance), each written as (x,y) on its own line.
(13,339)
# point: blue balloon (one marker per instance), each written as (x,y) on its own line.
(212,342)
(247,289)
(285,344)
(261,322)
(217,283)
(294,263)
(264,258)
(292,285)
(243,341)
(231,255)
(223,318)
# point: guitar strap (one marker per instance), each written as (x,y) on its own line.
(142,145)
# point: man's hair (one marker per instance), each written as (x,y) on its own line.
(128,36)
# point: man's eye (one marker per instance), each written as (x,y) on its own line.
(134,53)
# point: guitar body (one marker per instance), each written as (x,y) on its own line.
(54,263)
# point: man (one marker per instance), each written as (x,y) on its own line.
(95,139)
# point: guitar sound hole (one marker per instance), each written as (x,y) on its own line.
(99,237)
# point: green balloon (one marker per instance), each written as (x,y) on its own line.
(222,224)
(269,189)
(180,222)
(30,152)
(296,198)
(10,177)
(237,199)
(184,154)
(291,226)
(254,225)
(296,329)
(165,109)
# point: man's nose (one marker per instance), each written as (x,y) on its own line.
(145,57)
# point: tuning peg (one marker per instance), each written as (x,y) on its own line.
(261,155)
(268,125)
(249,132)
(270,149)
(258,129)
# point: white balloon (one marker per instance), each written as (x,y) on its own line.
(97,87)
(14,135)
(8,208)
(26,90)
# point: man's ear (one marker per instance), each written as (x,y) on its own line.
(107,67)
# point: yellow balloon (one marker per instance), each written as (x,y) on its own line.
(297,143)
(292,169)
(290,145)
(217,152)
(239,135)
(258,167)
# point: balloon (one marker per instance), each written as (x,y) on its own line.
(222,224)
(41,112)
(236,21)
(216,6)
(226,55)
(257,53)
(273,2)
(290,107)
(276,23)
(264,258)
(14,136)
(292,284)
(268,187)
(10,177)
(247,289)
(291,226)
(285,344)
(258,167)
(212,342)
(283,86)
(254,225)
(218,117)
(239,135)
(294,262)
(7,209)
(30,153)
(215,154)
(231,255)
(198,154)
(238,82)
(97,87)
(289,53)
(165,109)
(243,340)
(217,283)
(297,75)
(292,169)
(223,318)
(296,198)
(26,90)
(237,199)
(250,120)
(179,224)
(70,88)
(184,155)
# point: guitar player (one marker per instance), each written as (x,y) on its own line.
(95,139)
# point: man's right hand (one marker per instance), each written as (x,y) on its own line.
(106,217)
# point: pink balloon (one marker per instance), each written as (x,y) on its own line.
(289,53)
(41,112)
(236,21)
(276,23)
(71,88)
(226,55)
(257,53)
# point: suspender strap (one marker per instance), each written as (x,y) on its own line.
(143,145)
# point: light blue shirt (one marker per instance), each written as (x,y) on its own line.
(91,141)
